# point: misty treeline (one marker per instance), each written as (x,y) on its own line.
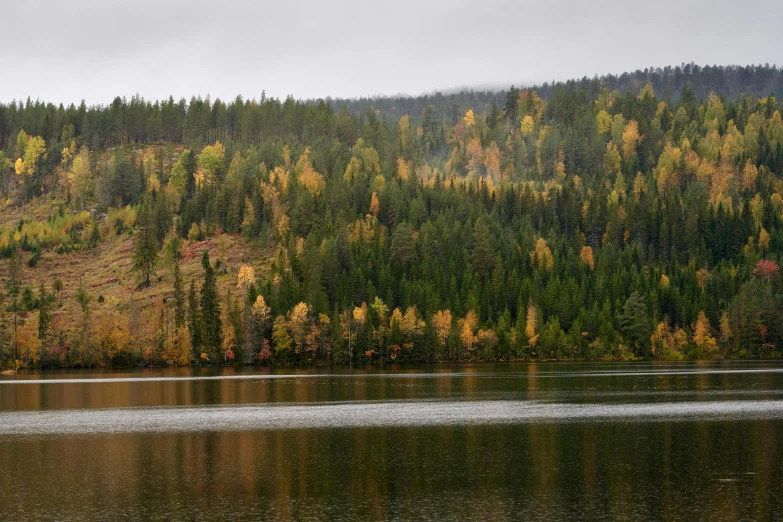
(593,224)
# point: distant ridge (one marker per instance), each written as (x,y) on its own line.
(729,81)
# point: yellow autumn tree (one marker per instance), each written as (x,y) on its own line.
(80,177)
(298,322)
(541,256)
(441,321)
(763,241)
(375,205)
(667,342)
(34,150)
(631,139)
(311,180)
(469,119)
(360,314)
(603,121)
(586,255)
(530,324)
(259,309)
(704,341)
(749,175)
(527,125)
(725,327)
(411,323)
(210,163)
(245,277)
(467,326)
(403,169)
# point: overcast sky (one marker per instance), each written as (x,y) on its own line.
(97,49)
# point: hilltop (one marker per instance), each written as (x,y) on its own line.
(593,219)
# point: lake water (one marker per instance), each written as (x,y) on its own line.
(616,441)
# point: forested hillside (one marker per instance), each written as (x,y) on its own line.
(606,218)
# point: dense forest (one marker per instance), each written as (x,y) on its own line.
(612,218)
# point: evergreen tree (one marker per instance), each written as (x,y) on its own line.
(635,324)
(13,289)
(44,311)
(145,243)
(210,308)
(194,319)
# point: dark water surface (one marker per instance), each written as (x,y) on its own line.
(626,441)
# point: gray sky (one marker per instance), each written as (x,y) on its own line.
(96,49)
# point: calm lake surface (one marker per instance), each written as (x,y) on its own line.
(615,441)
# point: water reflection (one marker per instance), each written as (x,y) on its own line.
(561,442)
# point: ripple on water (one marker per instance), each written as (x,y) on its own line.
(369,414)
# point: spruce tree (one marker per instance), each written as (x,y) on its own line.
(179,297)
(145,243)
(44,311)
(194,319)
(210,308)
(13,289)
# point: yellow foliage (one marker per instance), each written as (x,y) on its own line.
(259,309)
(153,184)
(664,282)
(469,119)
(403,169)
(297,321)
(475,156)
(467,326)
(749,175)
(246,277)
(639,186)
(283,226)
(587,256)
(411,322)
(176,348)
(312,181)
(631,139)
(763,240)
(667,343)
(647,90)
(279,176)
(492,161)
(757,210)
(363,231)
(541,256)
(111,334)
(441,321)
(353,168)
(526,127)
(28,344)
(530,324)
(375,205)
(360,313)
(211,161)
(604,121)
(704,342)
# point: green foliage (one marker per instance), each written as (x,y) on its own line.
(209,310)
(145,242)
(578,221)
